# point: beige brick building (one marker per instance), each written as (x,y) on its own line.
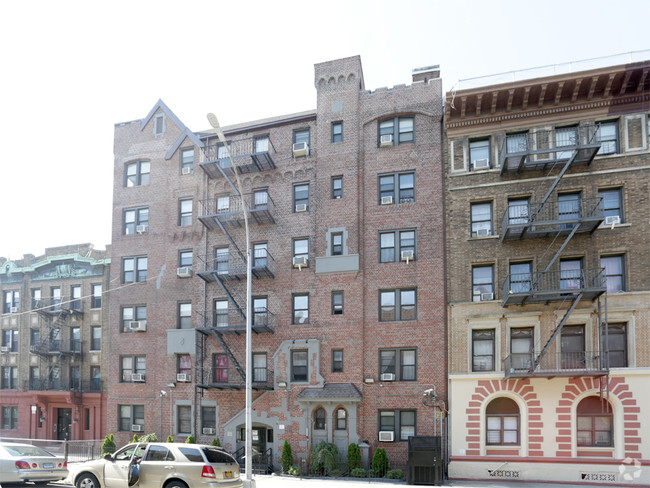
(548,251)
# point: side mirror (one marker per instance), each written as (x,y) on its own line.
(108,457)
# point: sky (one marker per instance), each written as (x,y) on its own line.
(73,69)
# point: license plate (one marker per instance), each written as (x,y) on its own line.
(228,474)
(48,465)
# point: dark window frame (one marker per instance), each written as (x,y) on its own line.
(220,369)
(295,310)
(182,319)
(479,140)
(337,187)
(338,306)
(398,305)
(502,415)
(96,299)
(622,276)
(476,285)
(132,419)
(294,373)
(134,367)
(338,363)
(141,178)
(589,412)
(337,132)
(137,271)
(397,365)
(619,329)
(130,228)
(400,195)
(183,216)
(614,141)
(399,136)
(476,225)
(301,201)
(185,163)
(137,316)
(293,249)
(340,421)
(298,134)
(490,336)
(612,211)
(182,257)
(397,422)
(398,244)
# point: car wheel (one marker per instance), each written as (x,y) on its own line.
(176,484)
(87,480)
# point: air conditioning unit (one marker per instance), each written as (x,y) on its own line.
(387,200)
(486,297)
(482,232)
(184,378)
(301,207)
(136,428)
(4,349)
(612,220)
(14,309)
(208,431)
(137,377)
(300,261)
(481,163)
(140,229)
(386,140)
(187,170)
(301,149)
(184,272)
(138,325)
(386,436)
(388,377)
(407,255)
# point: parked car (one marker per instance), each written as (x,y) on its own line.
(20,463)
(158,464)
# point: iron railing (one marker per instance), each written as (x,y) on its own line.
(54,305)
(560,364)
(236,318)
(232,265)
(225,378)
(63,384)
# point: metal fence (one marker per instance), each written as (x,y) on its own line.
(73,451)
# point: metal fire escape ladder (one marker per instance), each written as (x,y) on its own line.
(229,353)
(550,191)
(47,343)
(231,240)
(231,299)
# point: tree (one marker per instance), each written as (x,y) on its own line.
(380,465)
(169,438)
(354,457)
(216,442)
(323,458)
(108,447)
(287,457)
(190,440)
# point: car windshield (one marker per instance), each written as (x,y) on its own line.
(27,451)
(217,456)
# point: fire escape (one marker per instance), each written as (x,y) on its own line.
(53,349)
(560,219)
(226,264)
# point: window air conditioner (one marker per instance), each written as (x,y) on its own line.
(184,378)
(300,149)
(387,200)
(481,163)
(187,170)
(301,207)
(136,428)
(388,377)
(208,431)
(486,297)
(482,232)
(386,140)
(299,261)
(184,272)
(386,436)
(140,229)
(137,377)
(4,349)
(138,325)
(14,309)
(407,255)
(612,220)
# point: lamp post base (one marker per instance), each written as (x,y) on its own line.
(249,483)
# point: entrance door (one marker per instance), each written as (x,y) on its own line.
(63,423)
(259,443)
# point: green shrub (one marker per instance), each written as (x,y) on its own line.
(169,439)
(108,447)
(395,474)
(323,458)
(294,470)
(358,473)
(287,457)
(153,437)
(135,438)
(216,442)
(380,463)
(354,457)
(190,440)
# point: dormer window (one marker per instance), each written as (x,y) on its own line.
(159,125)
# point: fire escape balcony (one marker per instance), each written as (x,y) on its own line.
(229,266)
(571,364)
(233,321)
(252,154)
(53,306)
(228,211)
(227,379)
(551,218)
(542,150)
(552,286)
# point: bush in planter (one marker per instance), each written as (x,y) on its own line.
(216,442)
(190,440)
(287,457)
(380,465)
(358,473)
(323,458)
(108,447)
(169,439)
(354,457)
(153,437)
(294,470)
(395,474)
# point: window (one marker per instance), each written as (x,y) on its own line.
(520,277)
(572,346)
(220,368)
(595,423)
(611,203)
(159,125)
(184,364)
(185,212)
(11,301)
(400,422)
(261,198)
(400,130)
(134,269)
(614,272)
(34,377)
(128,415)
(481,214)
(616,344)
(392,244)
(337,132)
(320,419)
(566,137)
(502,422)
(607,136)
(75,378)
(299,365)
(337,243)
(9,418)
(36,298)
(397,305)
(260,311)
(569,208)
(400,362)
(96,338)
(337,303)
(222,154)
(260,255)
(208,418)
(187,160)
(184,413)
(75,339)
(185,315)
(55,293)
(185,258)
(133,313)
(300,309)
(34,337)
(9,380)
(479,154)
(482,283)
(337,360)
(259,367)
(301,135)
(300,197)
(340,419)
(95,378)
(301,250)
(262,144)
(10,339)
(483,350)
(136,174)
(517,142)
(75,293)
(136,220)
(337,187)
(518,211)
(521,348)
(131,366)
(96,298)
(571,274)
(221,315)
(221,260)
(405,188)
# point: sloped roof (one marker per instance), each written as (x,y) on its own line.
(331,392)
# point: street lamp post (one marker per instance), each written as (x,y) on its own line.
(248,464)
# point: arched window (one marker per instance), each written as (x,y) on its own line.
(502,416)
(595,422)
(340,419)
(319,419)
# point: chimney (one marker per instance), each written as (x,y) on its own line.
(427,73)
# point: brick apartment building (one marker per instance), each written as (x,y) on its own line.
(548,251)
(349,323)
(54,317)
